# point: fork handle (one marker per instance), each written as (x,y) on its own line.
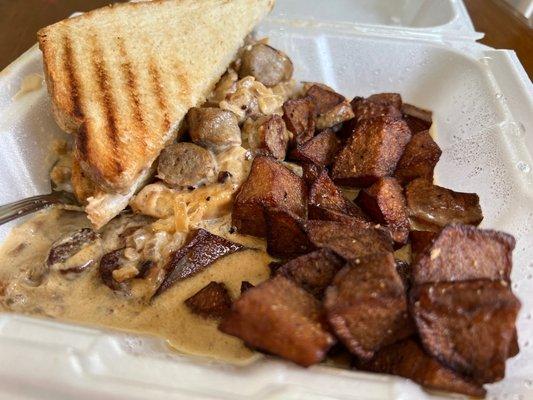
(11,211)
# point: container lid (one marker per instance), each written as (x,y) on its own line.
(430,18)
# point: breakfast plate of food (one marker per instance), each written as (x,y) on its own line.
(205,202)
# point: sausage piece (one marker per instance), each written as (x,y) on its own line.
(266,64)
(214,128)
(186,164)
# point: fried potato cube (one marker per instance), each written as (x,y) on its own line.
(384,202)
(514,347)
(324,214)
(408,359)
(387,99)
(202,250)
(418,119)
(269,185)
(349,241)
(313,271)
(310,172)
(286,235)
(268,136)
(372,152)
(326,201)
(366,109)
(433,206)
(464,252)
(324,98)
(468,326)
(320,150)
(300,117)
(420,240)
(212,301)
(419,159)
(335,116)
(281,318)
(367,306)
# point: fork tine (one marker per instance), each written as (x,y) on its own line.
(11,211)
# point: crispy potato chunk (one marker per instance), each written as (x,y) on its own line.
(319,150)
(462,252)
(286,236)
(418,119)
(468,326)
(372,152)
(420,240)
(269,185)
(335,116)
(326,201)
(300,118)
(387,99)
(367,306)
(281,318)
(408,359)
(324,98)
(514,347)
(310,172)
(212,301)
(202,251)
(433,206)
(313,271)
(419,159)
(268,136)
(325,214)
(365,109)
(368,108)
(384,203)
(349,241)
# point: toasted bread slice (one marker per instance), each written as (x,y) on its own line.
(123,77)
(102,206)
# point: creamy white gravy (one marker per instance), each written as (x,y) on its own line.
(83,298)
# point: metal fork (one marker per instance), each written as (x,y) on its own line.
(11,211)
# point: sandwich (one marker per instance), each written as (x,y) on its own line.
(121,79)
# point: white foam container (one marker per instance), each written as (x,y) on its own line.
(425,49)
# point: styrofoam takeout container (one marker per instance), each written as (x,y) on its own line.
(425,50)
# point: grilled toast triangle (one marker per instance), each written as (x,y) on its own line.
(122,77)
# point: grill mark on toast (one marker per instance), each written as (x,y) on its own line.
(185,87)
(82,139)
(132,87)
(157,88)
(108,103)
(72,81)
